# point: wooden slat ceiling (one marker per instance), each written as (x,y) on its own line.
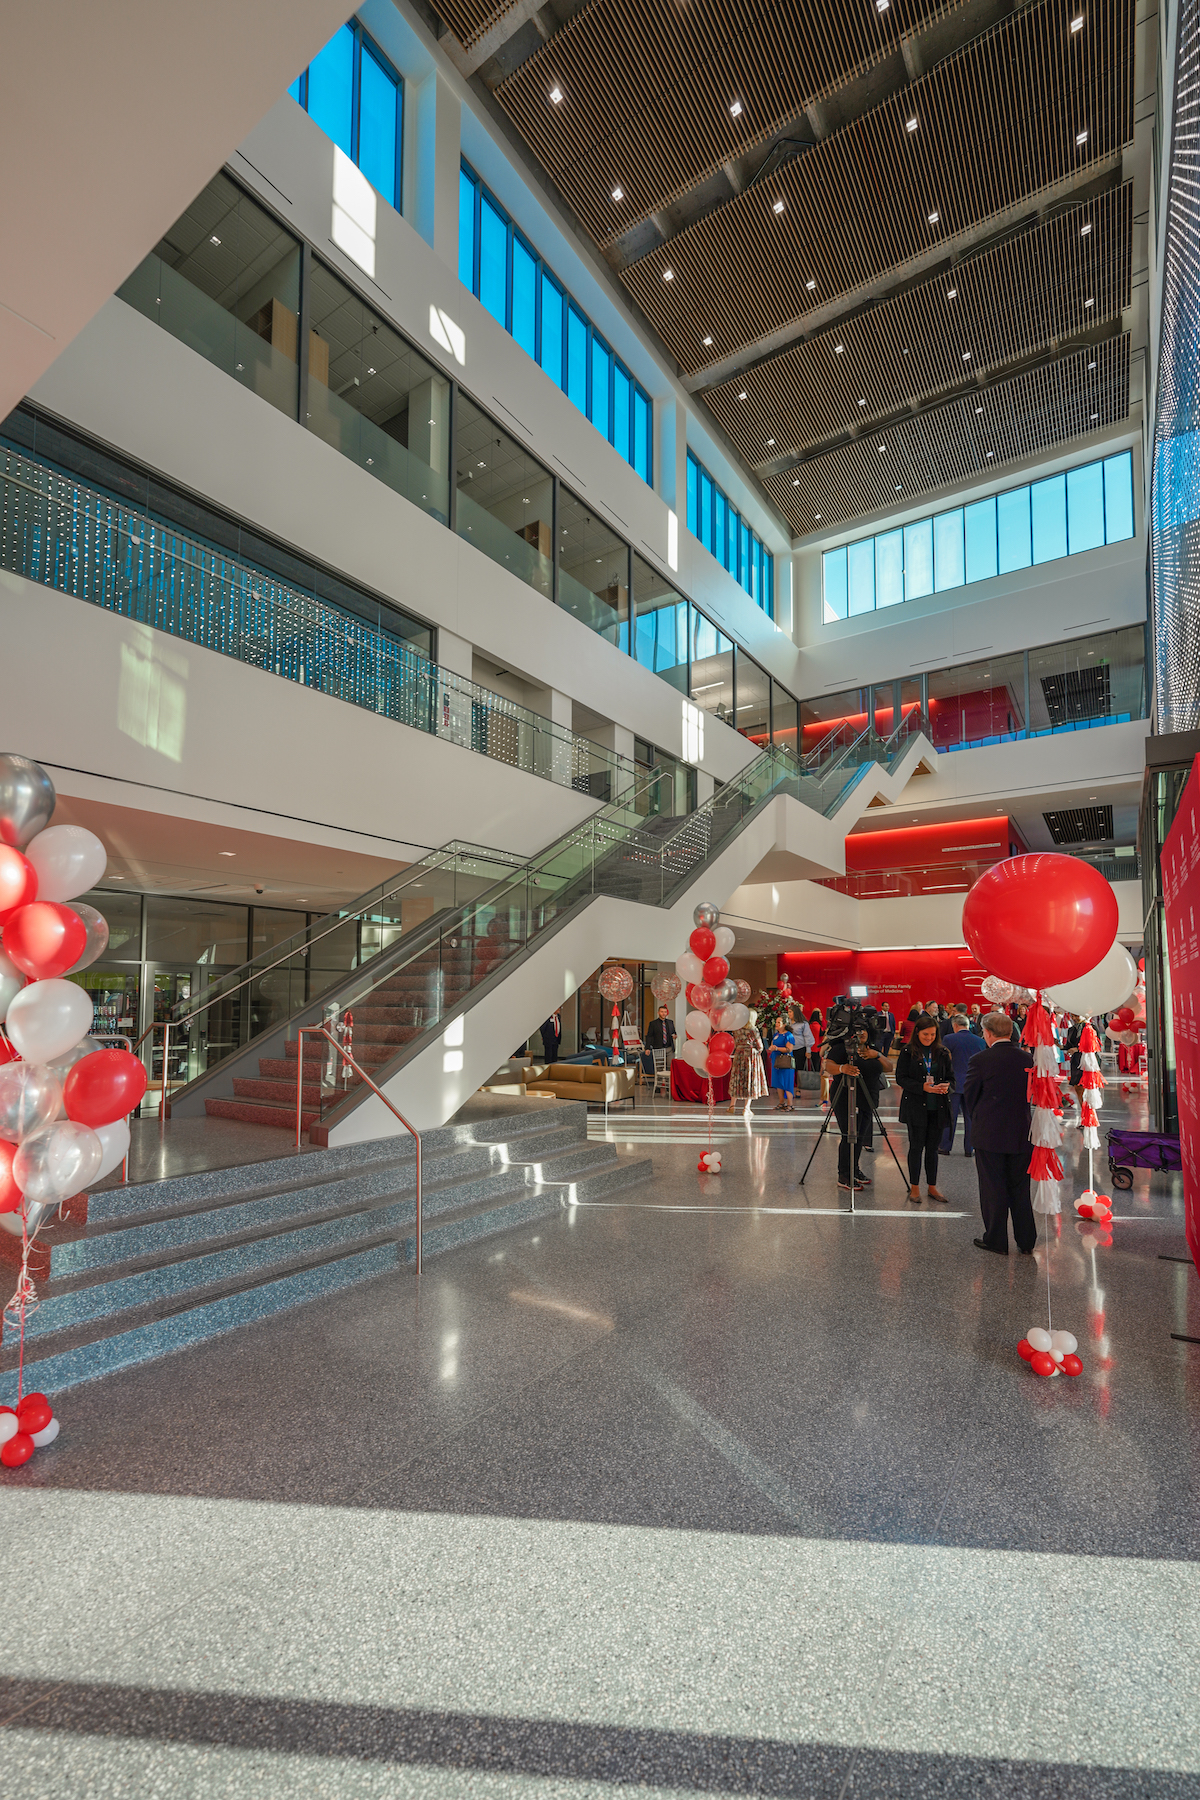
(968,440)
(1029,294)
(997,124)
(648,86)
(469,19)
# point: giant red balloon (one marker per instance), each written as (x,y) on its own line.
(45,939)
(716,969)
(103,1087)
(702,942)
(1040,920)
(10,1193)
(18,881)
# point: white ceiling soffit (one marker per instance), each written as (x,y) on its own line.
(112,118)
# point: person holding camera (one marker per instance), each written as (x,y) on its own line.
(844,1058)
(924,1075)
(872,1067)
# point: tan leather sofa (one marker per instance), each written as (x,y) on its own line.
(598,1084)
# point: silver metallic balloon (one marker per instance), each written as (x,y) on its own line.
(725,993)
(97,935)
(62,1065)
(56,1162)
(30,1096)
(12,980)
(706,914)
(26,799)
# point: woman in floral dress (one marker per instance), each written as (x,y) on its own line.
(747,1079)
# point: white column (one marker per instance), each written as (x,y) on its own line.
(554,751)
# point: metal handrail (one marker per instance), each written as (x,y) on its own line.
(321,1031)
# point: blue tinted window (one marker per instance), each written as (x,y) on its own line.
(1012,529)
(601,373)
(577,336)
(331,89)
(552,329)
(378,123)
(889,568)
(860,574)
(1048,512)
(833,567)
(524,297)
(1085,508)
(466,230)
(1118,497)
(493,261)
(621,422)
(979,530)
(693,497)
(948,569)
(641,436)
(294,90)
(918,559)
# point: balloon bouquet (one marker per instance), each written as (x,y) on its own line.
(64,1102)
(1051,921)
(716,1007)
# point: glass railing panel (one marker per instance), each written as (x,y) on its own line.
(358,438)
(503,545)
(605,613)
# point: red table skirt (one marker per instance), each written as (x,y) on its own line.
(687,1085)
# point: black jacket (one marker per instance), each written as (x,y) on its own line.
(910,1079)
(996,1091)
(660,1034)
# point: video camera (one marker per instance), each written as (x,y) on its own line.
(848,1017)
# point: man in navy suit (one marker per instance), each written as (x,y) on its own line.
(962,1045)
(996,1095)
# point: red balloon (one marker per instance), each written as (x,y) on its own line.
(1071,1365)
(103,1087)
(719,1062)
(34,1397)
(721,1042)
(18,1450)
(18,882)
(1040,920)
(8,1052)
(1042,1363)
(702,942)
(36,1417)
(10,1193)
(45,939)
(716,969)
(1025,1349)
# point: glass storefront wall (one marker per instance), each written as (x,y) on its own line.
(753,702)
(712,668)
(661,625)
(505,500)
(593,571)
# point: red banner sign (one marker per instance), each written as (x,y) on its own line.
(1181,895)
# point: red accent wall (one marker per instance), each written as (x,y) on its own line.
(896,978)
(921,846)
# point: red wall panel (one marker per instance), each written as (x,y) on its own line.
(896,978)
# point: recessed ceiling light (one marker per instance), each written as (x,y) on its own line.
(882,5)
(817,516)
(862,403)
(1095,416)
(911,124)
(618,193)
(735,109)
(481,465)
(214,239)
(990,457)
(978,411)
(1091,365)
(931,218)
(1081,137)
(668,274)
(1089,301)
(897,487)
(796,483)
(371,372)
(743,395)
(226,852)
(1085,228)
(708,343)
(556,95)
(952,293)
(882,448)
(770,441)
(838,349)
(966,356)
(778,207)
(1077,23)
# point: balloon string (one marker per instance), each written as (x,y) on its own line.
(24,1302)
(1049,1313)
(711,1108)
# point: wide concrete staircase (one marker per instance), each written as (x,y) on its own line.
(163,1265)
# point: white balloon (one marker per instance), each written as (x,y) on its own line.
(56,1162)
(694,1053)
(725,940)
(698,1025)
(30,1095)
(69,860)
(1103,988)
(9,1426)
(48,1017)
(46,1435)
(688,967)
(12,980)
(732,1018)
(1064,1341)
(1039,1338)
(114,1140)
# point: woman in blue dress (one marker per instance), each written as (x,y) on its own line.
(783,1079)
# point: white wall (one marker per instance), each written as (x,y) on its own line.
(131,384)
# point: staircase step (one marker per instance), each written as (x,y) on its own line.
(249,1087)
(260,1112)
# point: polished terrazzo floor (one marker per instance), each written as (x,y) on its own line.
(707,1491)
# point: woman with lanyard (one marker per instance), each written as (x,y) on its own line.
(924,1075)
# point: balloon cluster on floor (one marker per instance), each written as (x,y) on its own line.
(1047,924)
(716,1005)
(24,1428)
(64,1102)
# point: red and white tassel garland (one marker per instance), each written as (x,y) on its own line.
(1045,1097)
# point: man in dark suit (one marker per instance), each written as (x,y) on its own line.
(660,1035)
(996,1098)
(962,1047)
(552,1037)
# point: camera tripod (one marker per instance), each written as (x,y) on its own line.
(852,1128)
